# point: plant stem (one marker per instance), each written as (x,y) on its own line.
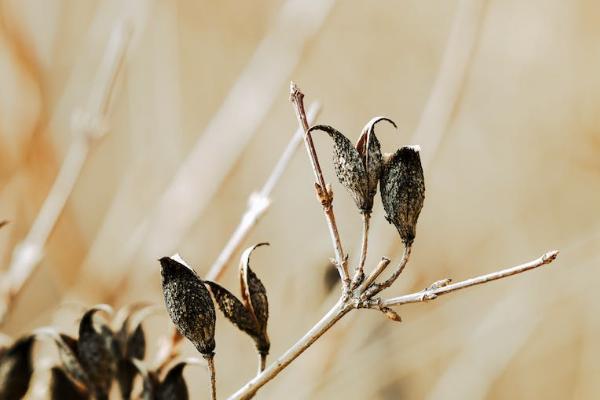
(390,281)
(374,274)
(335,314)
(359,274)
(430,294)
(213,379)
(324,194)
(262,362)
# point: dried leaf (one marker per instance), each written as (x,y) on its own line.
(391,314)
(16,369)
(63,387)
(403,191)
(97,350)
(234,310)
(189,305)
(254,296)
(3,223)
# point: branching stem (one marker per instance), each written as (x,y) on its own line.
(359,274)
(213,377)
(323,192)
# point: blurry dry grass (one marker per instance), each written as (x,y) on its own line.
(516,172)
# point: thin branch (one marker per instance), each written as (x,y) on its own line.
(323,191)
(390,281)
(259,202)
(430,294)
(374,274)
(213,377)
(334,315)
(88,124)
(359,274)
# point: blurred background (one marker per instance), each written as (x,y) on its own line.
(167,115)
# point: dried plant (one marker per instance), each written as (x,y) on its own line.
(110,352)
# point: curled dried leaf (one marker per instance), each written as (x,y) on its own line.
(63,387)
(403,191)
(254,297)
(16,369)
(189,305)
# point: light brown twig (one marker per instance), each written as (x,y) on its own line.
(323,191)
(430,294)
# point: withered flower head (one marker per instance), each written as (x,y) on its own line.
(403,190)
(189,305)
(252,312)
(359,167)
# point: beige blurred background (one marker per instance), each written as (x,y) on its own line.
(502,95)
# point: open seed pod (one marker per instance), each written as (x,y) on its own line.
(358,168)
(171,387)
(62,386)
(189,305)
(98,352)
(403,190)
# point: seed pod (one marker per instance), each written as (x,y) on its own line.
(68,354)
(16,369)
(173,387)
(98,353)
(254,297)
(403,191)
(370,153)
(189,305)
(357,168)
(62,387)
(234,310)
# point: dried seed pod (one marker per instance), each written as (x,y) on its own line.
(68,354)
(234,310)
(173,387)
(254,297)
(16,369)
(98,353)
(349,167)
(370,153)
(63,387)
(359,167)
(149,379)
(403,191)
(189,305)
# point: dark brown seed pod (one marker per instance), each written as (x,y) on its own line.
(189,305)
(16,369)
(63,387)
(97,351)
(254,297)
(403,191)
(358,168)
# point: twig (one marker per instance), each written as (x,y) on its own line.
(334,315)
(323,191)
(210,361)
(390,281)
(88,125)
(359,274)
(259,202)
(430,294)
(374,274)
